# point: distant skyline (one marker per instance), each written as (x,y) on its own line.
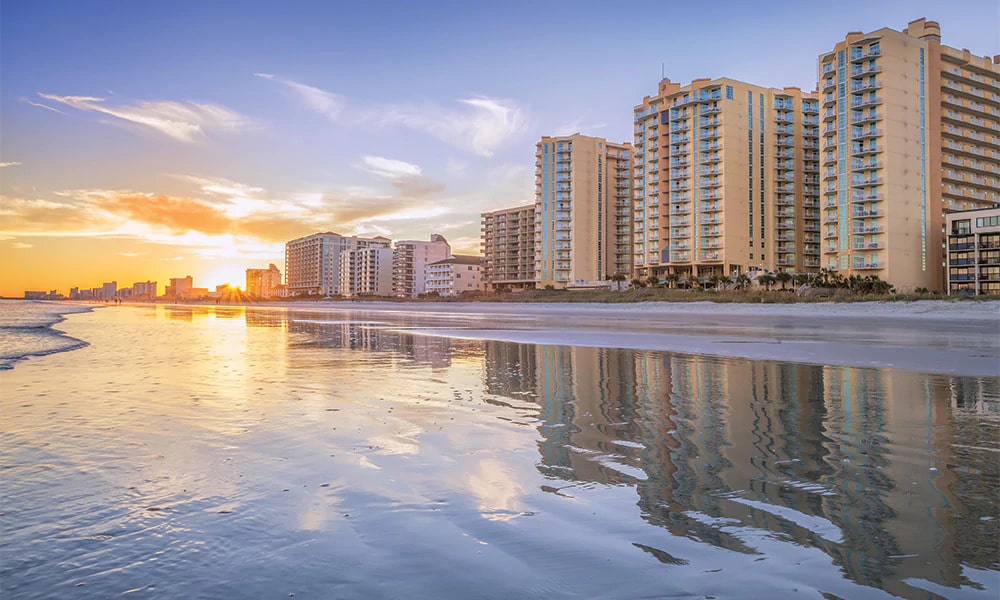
(148,141)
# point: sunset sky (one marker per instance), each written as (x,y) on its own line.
(145,140)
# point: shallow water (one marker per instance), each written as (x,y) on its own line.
(229,453)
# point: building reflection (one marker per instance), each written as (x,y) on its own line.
(837,458)
(326,330)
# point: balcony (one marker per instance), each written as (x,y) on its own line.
(865,86)
(866,198)
(830,249)
(865,101)
(859,119)
(868,266)
(861,214)
(861,71)
(870,229)
(867,182)
(866,133)
(863,56)
(866,150)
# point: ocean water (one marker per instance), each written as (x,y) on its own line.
(27,328)
(215,452)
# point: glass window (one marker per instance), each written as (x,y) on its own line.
(729,92)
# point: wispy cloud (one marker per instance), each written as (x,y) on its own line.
(389,167)
(9,164)
(325,103)
(21,246)
(578,126)
(40,105)
(479,125)
(183,121)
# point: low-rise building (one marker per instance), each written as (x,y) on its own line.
(973,265)
(454,275)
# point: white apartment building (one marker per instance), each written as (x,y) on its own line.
(455,274)
(409,264)
(366,268)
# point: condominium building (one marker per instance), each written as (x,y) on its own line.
(409,264)
(145,290)
(508,243)
(180,287)
(911,129)
(974,252)
(725,180)
(366,267)
(312,264)
(454,275)
(263,283)
(582,201)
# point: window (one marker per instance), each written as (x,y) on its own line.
(982,222)
(729,92)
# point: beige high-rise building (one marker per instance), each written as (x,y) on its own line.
(582,201)
(911,129)
(409,264)
(725,180)
(974,252)
(508,243)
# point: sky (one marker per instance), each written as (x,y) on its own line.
(144,140)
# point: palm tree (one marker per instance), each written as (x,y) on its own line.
(742,280)
(672,279)
(783,277)
(767,280)
(618,278)
(652,281)
(800,279)
(725,280)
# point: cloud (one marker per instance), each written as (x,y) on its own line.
(182,121)
(325,103)
(176,214)
(129,254)
(479,125)
(9,164)
(21,246)
(388,167)
(40,105)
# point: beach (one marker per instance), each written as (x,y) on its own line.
(427,450)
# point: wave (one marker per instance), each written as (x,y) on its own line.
(27,329)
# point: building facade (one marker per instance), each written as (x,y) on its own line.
(454,275)
(179,288)
(409,264)
(582,205)
(312,264)
(366,267)
(911,130)
(263,283)
(508,245)
(725,180)
(144,290)
(973,265)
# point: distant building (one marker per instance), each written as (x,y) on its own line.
(74,293)
(973,266)
(508,243)
(35,295)
(180,288)
(454,275)
(263,283)
(109,290)
(366,268)
(409,264)
(144,290)
(327,264)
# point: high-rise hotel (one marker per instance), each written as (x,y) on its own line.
(725,180)
(911,130)
(582,206)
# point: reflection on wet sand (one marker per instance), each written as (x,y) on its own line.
(842,459)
